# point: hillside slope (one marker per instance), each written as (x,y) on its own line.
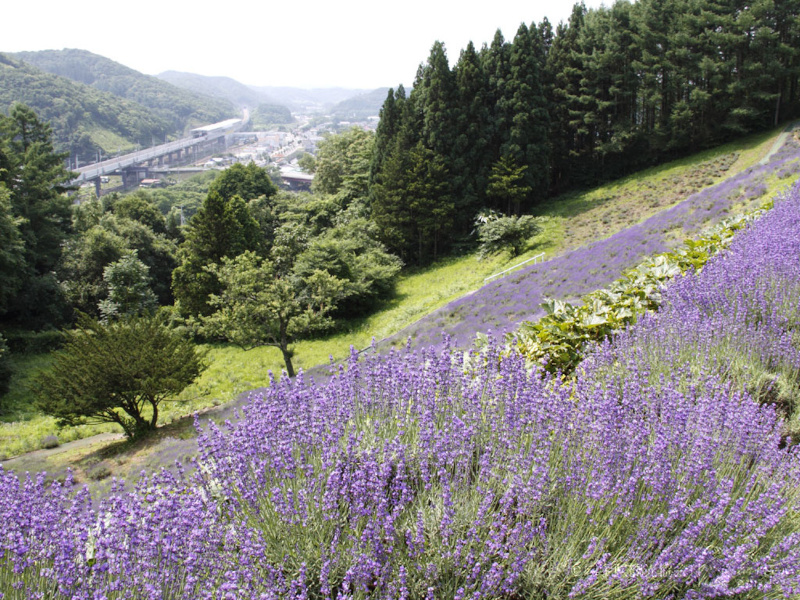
(500,305)
(223,88)
(589,238)
(179,108)
(84,119)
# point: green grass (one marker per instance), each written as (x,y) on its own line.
(105,138)
(568,222)
(22,427)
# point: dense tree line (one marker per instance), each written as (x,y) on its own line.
(612,90)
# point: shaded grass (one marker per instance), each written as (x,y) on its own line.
(578,218)
(568,222)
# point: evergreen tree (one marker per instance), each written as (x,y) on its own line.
(386,132)
(12,257)
(508,184)
(390,210)
(471,145)
(564,71)
(527,114)
(495,64)
(111,372)
(36,179)
(221,228)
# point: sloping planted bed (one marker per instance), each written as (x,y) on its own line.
(407,476)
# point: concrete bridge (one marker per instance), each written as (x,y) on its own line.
(134,166)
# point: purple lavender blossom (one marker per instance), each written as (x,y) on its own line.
(502,304)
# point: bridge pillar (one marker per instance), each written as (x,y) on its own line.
(133,175)
(97,186)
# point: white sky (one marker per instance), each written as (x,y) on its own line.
(301,43)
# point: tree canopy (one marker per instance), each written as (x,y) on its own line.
(260,306)
(118,372)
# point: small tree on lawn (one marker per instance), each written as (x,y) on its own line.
(260,306)
(115,372)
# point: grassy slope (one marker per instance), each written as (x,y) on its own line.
(569,222)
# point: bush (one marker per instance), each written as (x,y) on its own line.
(49,441)
(34,342)
(505,233)
(116,372)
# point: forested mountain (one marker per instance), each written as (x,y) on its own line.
(179,108)
(84,119)
(360,106)
(613,90)
(224,88)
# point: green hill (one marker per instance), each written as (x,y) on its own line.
(361,106)
(85,120)
(223,88)
(179,108)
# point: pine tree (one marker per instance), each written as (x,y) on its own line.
(563,74)
(386,133)
(12,258)
(470,145)
(494,61)
(526,106)
(36,179)
(219,229)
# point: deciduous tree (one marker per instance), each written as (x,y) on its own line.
(257,306)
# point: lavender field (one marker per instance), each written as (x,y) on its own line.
(660,471)
(501,305)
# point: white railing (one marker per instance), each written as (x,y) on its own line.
(534,259)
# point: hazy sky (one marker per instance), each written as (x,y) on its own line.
(302,43)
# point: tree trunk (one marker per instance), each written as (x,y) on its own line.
(287,354)
(287,358)
(154,419)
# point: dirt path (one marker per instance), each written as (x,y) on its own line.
(779,142)
(76,445)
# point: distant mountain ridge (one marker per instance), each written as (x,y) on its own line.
(226,88)
(180,108)
(310,100)
(265,113)
(85,120)
(361,106)
(343,103)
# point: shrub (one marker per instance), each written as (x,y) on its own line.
(49,441)
(497,234)
(113,372)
